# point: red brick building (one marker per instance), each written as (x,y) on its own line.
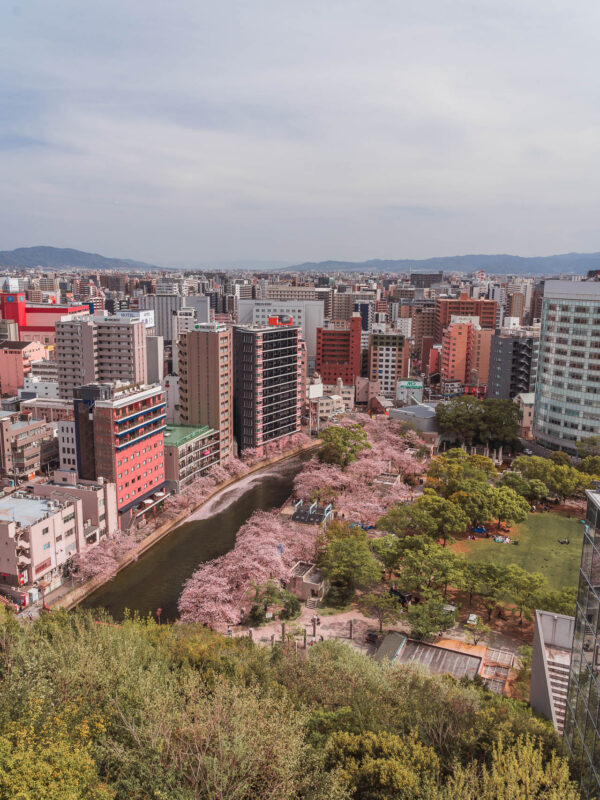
(463,306)
(339,352)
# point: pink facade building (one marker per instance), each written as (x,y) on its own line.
(15,364)
(120,437)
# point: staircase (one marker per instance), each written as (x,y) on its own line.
(559,683)
(312,602)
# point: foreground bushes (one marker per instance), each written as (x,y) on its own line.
(137,711)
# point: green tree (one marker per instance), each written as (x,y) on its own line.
(469,578)
(347,560)
(533,467)
(408,519)
(475,499)
(430,568)
(590,465)
(341,445)
(536,490)
(516,482)
(383,607)
(448,516)
(590,446)
(492,586)
(478,631)
(460,418)
(561,458)
(388,550)
(524,588)
(429,617)
(449,470)
(566,481)
(518,771)
(500,422)
(383,766)
(48,760)
(558,601)
(507,505)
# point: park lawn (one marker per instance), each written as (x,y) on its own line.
(538,549)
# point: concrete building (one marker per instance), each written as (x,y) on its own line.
(551,657)
(307,314)
(513,362)
(15,364)
(120,437)
(67,446)
(38,536)
(389,355)
(567,401)
(35,386)
(163,306)
(206,382)
(155,359)
(99,349)
(339,351)
(286,291)
(526,402)
(189,452)
(463,306)
(269,383)
(27,445)
(98,502)
(582,718)
(50,409)
(40,320)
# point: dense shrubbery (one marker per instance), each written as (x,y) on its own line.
(136,711)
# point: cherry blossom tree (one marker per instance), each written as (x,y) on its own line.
(236,467)
(218,473)
(266,548)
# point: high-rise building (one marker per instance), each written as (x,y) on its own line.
(120,437)
(582,720)
(567,402)
(339,351)
(100,349)
(307,314)
(389,354)
(206,382)
(464,306)
(513,362)
(268,382)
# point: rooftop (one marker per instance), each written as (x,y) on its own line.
(176,435)
(25,511)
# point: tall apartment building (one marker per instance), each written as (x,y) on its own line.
(206,382)
(423,324)
(307,314)
(268,382)
(464,306)
(513,362)
(465,356)
(339,351)
(120,437)
(567,400)
(582,720)
(389,355)
(99,349)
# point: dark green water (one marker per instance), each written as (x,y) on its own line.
(156,579)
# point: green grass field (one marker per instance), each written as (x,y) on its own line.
(538,549)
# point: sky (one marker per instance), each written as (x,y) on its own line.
(190,132)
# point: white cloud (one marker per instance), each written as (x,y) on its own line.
(191,131)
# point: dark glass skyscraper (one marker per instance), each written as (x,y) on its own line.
(582,722)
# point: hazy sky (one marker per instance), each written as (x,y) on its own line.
(187,131)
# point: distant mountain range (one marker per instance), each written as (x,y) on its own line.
(569,263)
(576,263)
(59,258)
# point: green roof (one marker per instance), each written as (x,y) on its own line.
(176,435)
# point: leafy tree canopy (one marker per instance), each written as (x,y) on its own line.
(341,445)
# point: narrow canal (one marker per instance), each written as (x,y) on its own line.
(156,579)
